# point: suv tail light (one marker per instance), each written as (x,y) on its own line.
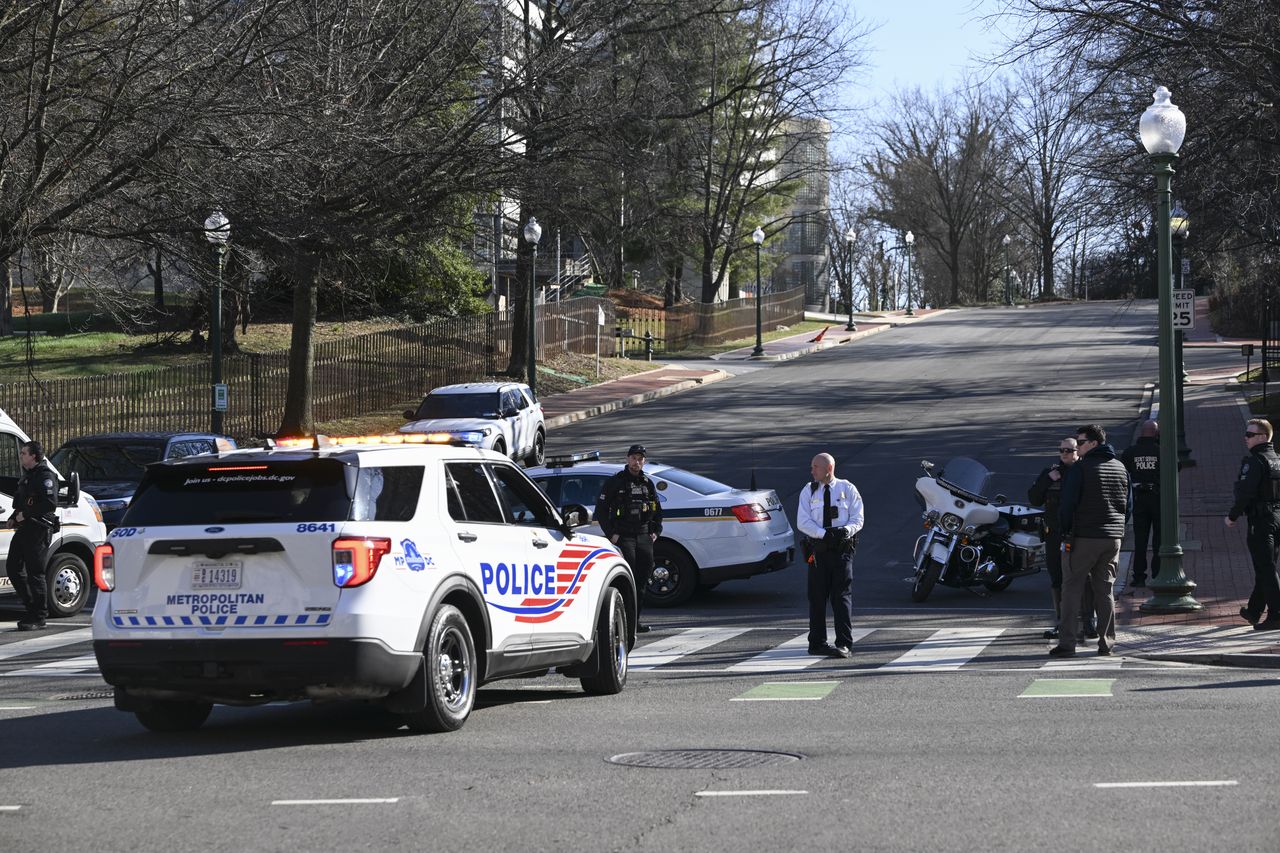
(355,561)
(104,567)
(749,512)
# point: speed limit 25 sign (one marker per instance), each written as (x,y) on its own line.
(1184,309)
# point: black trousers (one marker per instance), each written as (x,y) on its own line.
(26,567)
(831,581)
(1146,525)
(1264,548)
(637,550)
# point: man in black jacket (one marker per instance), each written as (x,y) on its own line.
(1142,460)
(1095,501)
(34,517)
(631,517)
(1257,494)
(1046,491)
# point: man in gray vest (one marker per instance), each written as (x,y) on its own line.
(1095,501)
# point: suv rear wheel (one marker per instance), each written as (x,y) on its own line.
(539,453)
(69,584)
(451,674)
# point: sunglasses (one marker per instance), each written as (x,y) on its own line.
(1248,434)
(1066,450)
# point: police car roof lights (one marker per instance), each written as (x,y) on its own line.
(568,460)
(316,442)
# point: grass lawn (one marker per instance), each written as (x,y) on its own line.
(807,326)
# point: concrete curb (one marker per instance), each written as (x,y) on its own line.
(849,338)
(1240,659)
(634,399)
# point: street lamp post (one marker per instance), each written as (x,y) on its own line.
(1162,128)
(217,229)
(1180,225)
(850,238)
(1008,286)
(532,234)
(911,250)
(757,237)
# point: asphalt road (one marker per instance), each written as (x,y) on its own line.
(892,750)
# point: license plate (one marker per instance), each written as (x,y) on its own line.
(216,575)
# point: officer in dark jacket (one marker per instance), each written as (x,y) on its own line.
(1095,501)
(34,518)
(1142,460)
(1046,491)
(1257,495)
(631,517)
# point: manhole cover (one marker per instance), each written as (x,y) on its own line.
(703,759)
(92,694)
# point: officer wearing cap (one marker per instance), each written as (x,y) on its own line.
(631,517)
(1142,458)
(1257,496)
(34,519)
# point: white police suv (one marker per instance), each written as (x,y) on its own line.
(403,573)
(501,416)
(710,532)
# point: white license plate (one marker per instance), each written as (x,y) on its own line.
(224,575)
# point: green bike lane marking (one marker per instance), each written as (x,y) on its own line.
(1067,688)
(787,691)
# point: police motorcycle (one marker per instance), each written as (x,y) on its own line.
(971,540)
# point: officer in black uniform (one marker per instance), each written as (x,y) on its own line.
(1257,494)
(34,520)
(1142,458)
(631,517)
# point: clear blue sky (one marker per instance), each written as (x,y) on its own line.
(922,42)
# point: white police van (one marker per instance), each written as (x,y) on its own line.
(385,569)
(80,530)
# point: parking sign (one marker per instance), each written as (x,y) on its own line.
(1184,310)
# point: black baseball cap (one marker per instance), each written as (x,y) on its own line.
(636,450)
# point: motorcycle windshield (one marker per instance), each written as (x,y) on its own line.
(968,477)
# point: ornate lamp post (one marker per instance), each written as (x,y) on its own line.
(1180,225)
(850,238)
(532,234)
(757,237)
(911,250)
(1162,129)
(217,230)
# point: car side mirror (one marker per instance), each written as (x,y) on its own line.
(575,515)
(72,486)
(408,414)
(926,464)
(1001,499)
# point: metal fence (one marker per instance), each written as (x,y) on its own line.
(351,377)
(360,374)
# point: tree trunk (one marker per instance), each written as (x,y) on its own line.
(298,418)
(518,363)
(157,279)
(6,299)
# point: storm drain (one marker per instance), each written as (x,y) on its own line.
(704,759)
(92,694)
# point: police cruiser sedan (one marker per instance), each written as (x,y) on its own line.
(386,569)
(710,532)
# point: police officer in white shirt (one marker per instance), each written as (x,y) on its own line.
(829,517)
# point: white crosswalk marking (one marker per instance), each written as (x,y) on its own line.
(791,655)
(1086,658)
(87,665)
(948,649)
(664,651)
(45,642)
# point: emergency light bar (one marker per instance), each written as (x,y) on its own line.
(315,442)
(568,460)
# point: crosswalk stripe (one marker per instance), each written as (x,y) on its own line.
(948,649)
(1085,659)
(668,649)
(791,655)
(86,665)
(45,642)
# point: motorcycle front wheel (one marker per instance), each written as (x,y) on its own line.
(928,576)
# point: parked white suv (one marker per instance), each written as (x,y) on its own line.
(404,575)
(71,549)
(500,416)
